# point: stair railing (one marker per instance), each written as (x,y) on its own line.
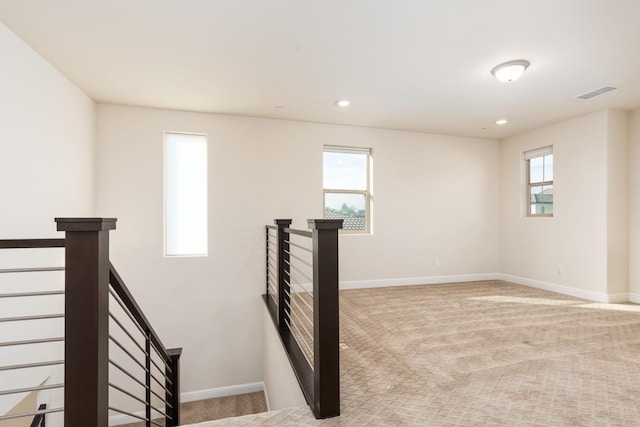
(97,336)
(302,298)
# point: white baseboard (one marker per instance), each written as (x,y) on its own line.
(212,393)
(618,298)
(192,396)
(456,278)
(635,298)
(413,281)
(566,290)
(266,398)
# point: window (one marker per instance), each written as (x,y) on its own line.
(346,181)
(185,172)
(539,181)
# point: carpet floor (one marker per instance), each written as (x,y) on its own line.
(215,409)
(481,353)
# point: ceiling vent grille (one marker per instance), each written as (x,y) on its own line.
(597,92)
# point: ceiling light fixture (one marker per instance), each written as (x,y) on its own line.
(343,103)
(501,121)
(510,71)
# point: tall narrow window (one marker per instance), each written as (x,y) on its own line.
(539,181)
(346,181)
(185,169)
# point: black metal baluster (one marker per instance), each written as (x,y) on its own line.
(147,364)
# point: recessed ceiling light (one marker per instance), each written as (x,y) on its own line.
(343,103)
(501,121)
(510,71)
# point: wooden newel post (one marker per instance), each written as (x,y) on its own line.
(284,273)
(326,330)
(86,376)
(173,388)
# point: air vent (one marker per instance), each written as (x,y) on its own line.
(597,92)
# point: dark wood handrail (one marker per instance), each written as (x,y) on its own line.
(89,280)
(319,378)
(129,301)
(31,243)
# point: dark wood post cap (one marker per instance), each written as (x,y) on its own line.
(282,222)
(325,224)
(86,224)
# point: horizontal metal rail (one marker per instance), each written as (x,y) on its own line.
(31,243)
(127,373)
(271,227)
(30,269)
(118,286)
(303,342)
(159,368)
(293,268)
(31,294)
(307,263)
(301,310)
(133,340)
(141,401)
(126,310)
(275,254)
(38,317)
(299,232)
(272,276)
(139,363)
(301,247)
(303,289)
(30,414)
(30,389)
(27,342)
(120,411)
(271,266)
(31,365)
(295,314)
(127,352)
(121,390)
(272,289)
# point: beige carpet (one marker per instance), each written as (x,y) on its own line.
(482,353)
(215,409)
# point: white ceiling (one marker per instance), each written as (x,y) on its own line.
(421,65)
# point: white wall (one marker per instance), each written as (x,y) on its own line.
(617,205)
(281,388)
(46,171)
(581,250)
(47,149)
(634,206)
(435,197)
(568,249)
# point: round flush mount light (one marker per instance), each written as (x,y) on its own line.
(510,71)
(501,121)
(343,103)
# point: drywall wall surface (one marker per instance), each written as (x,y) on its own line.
(435,213)
(634,206)
(281,387)
(46,154)
(570,248)
(617,204)
(46,171)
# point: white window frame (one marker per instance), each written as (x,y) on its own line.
(166,201)
(528,156)
(366,192)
